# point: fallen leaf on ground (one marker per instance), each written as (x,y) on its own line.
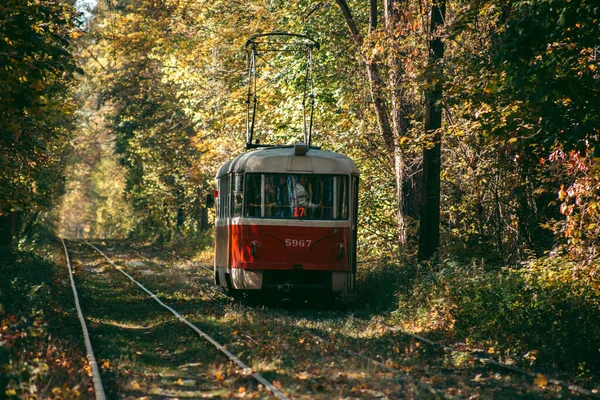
(302,375)
(540,380)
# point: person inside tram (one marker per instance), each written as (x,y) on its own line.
(301,198)
(270,203)
(282,198)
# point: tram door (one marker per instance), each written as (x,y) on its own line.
(222,229)
(351,282)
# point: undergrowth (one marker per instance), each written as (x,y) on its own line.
(39,358)
(544,314)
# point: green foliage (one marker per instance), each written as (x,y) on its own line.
(37,73)
(524,83)
(549,308)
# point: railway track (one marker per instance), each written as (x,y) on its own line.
(98,388)
(299,352)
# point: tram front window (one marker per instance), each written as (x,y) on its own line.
(296,196)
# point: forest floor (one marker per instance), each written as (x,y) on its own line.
(306,348)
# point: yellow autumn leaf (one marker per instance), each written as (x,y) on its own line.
(219,376)
(277,384)
(302,375)
(134,385)
(106,364)
(242,389)
(179,382)
(540,380)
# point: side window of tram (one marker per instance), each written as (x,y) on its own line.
(222,198)
(342,197)
(253,195)
(238,194)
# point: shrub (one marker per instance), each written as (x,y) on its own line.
(548,308)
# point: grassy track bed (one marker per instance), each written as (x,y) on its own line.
(313,352)
(307,350)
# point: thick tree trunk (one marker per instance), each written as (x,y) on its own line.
(429,227)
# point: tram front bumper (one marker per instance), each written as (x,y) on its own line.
(288,280)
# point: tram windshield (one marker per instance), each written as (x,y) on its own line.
(296,196)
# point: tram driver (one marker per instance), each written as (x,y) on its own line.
(301,198)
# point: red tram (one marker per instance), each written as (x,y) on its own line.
(286,219)
(286,214)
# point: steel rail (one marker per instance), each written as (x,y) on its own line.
(96,380)
(247,370)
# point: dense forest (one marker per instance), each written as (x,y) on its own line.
(128,113)
(475,126)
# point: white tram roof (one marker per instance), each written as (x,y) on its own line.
(284,160)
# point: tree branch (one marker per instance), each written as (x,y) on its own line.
(356,36)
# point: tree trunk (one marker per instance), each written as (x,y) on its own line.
(8,228)
(202,219)
(393,21)
(392,130)
(429,227)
